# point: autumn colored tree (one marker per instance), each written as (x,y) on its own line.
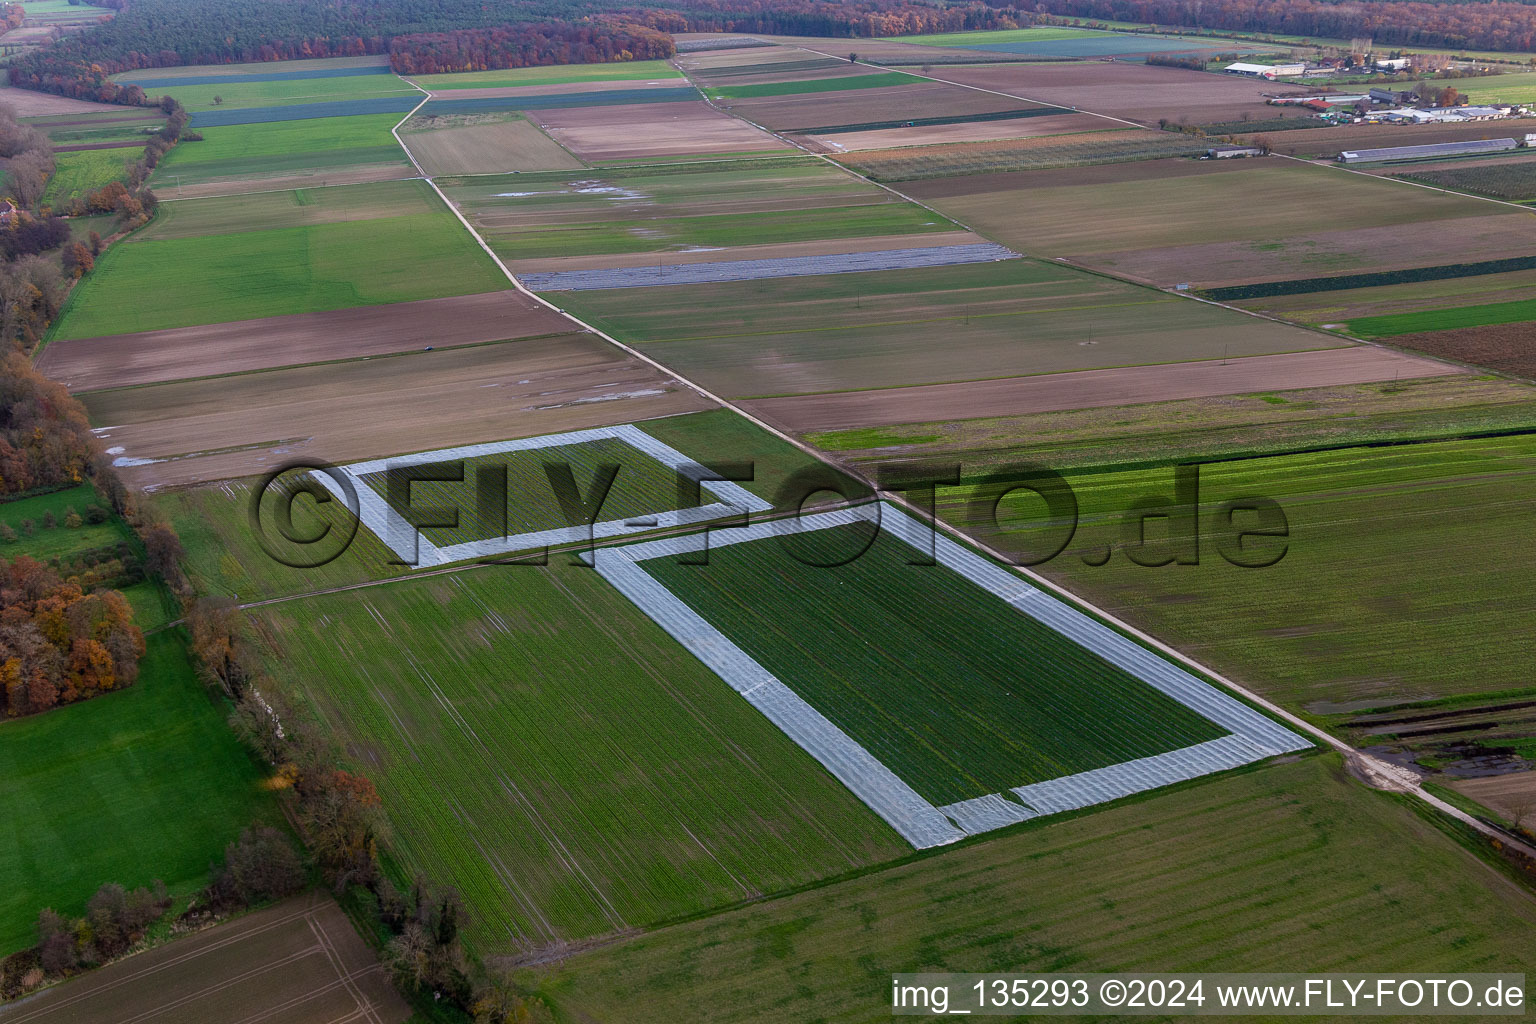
(78,259)
(59,644)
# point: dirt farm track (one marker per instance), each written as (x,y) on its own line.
(299,962)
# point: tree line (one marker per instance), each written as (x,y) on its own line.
(167,33)
(600,41)
(1485,25)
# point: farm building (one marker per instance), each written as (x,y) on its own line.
(1472,148)
(1265,70)
(1394,64)
(1231,152)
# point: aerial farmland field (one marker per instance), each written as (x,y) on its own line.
(681,207)
(82,172)
(732,733)
(626,71)
(409,247)
(1333,623)
(482,144)
(876,330)
(208,89)
(321,147)
(128,787)
(1237,873)
(1162,225)
(526,761)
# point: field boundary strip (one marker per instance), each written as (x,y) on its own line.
(406,541)
(765,269)
(1253,737)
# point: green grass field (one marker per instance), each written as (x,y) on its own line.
(127,787)
(1444,319)
(626,71)
(1333,621)
(642,487)
(284,92)
(1518,87)
(258,273)
(59,541)
(84,171)
(1292,867)
(843,84)
(551,753)
(949,686)
(229,216)
(879,329)
(282,147)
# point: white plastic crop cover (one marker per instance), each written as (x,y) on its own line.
(1253,737)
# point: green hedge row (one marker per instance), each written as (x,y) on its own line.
(1303,285)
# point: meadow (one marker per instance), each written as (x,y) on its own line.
(1251,871)
(147,783)
(1331,621)
(949,686)
(306,268)
(625,71)
(877,329)
(1517,87)
(555,756)
(86,171)
(258,150)
(48,543)
(643,487)
(236,95)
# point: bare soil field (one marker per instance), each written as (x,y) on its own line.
(652,129)
(1061,177)
(491,148)
(27,103)
(1508,348)
(300,962)
(1087,389)
(1137,92)
(805,113)
(1433,242)
(779,250)
(1327,143)
(971,131)
(226,427)
(1512,795)
(1253,220)
(308,179)
(1120,144)
(125,360)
